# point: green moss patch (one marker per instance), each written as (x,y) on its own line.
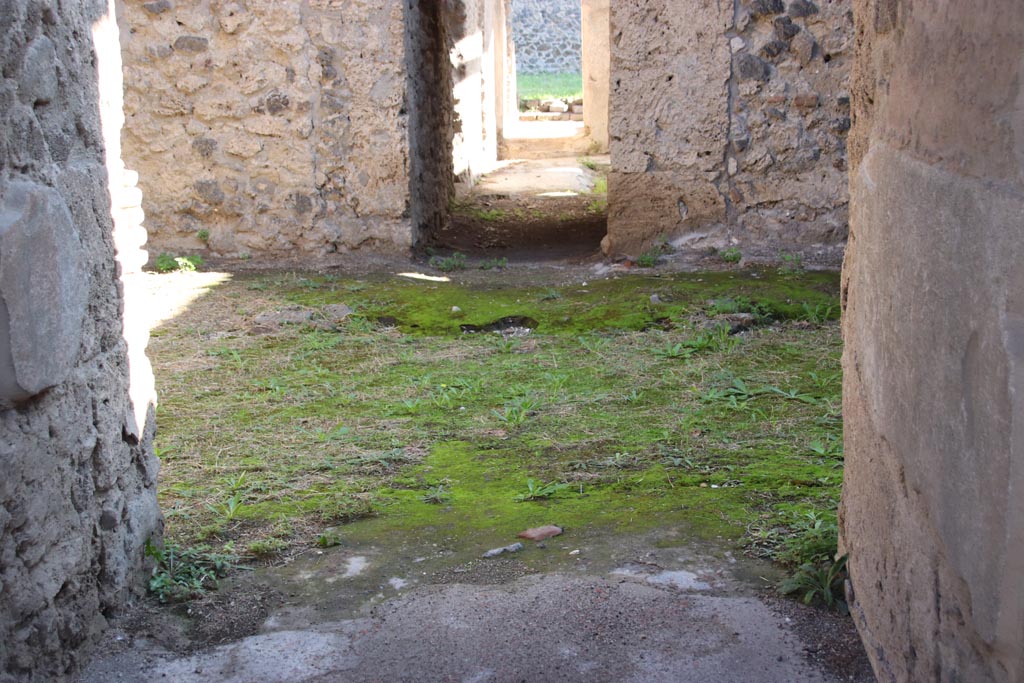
(631,393)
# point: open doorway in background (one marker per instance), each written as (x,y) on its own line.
(547,56)
(541,190)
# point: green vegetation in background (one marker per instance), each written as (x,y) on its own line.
(169,263)
(557,86)
(626,410)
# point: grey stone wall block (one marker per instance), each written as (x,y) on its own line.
(44,287)
(38,81)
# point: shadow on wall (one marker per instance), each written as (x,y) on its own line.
(431,116)
(77,472)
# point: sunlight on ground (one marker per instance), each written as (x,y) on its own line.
(421,276)
(165,296)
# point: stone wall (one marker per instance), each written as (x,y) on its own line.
(476,37)
(273,126)
(77,472)
(932,514)
(546,34)
(431,115)
(728,124)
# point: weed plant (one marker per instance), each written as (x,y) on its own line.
(447,264)
(182,574)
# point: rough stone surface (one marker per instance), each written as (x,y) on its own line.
(43,285)
(728,124)
(932,514)
(431,116)
(547,36)
(542,628)
(274,126)
(77,473)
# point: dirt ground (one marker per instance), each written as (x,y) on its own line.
(546,209)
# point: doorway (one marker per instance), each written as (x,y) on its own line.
(522,181)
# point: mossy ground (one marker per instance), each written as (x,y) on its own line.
(274,442)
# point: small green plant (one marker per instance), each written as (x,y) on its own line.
(436,495)
(595,344)
(359,323)
(271,384)
(379,461)
(621,461)
(237,483)
(670,350)
(588,163)
(600,185)
(818,314)
(413,405)
(445,395)
(819,581)
(204,236)
(494,264)
(230,508)
(267,547)
(537,491)
(731,255)
(185,573)
(509,344)
(737,395)
(517,411)
(232,354)
(827,447)
(447,264)
(551,295)
(489,215)
(597,206)
(826,380)
(793,395)
(336,433)
(813,539)
(716,339)
(792,264)
(648,259)
(740,304)
(633,396)
(169,263)
(328,539)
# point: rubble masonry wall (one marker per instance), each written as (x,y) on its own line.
(728,124)
(77,470)
(547,35)
(267,127)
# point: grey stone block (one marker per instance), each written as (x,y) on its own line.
(43,285)
(38,81)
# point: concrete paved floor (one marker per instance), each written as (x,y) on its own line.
(540,628)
